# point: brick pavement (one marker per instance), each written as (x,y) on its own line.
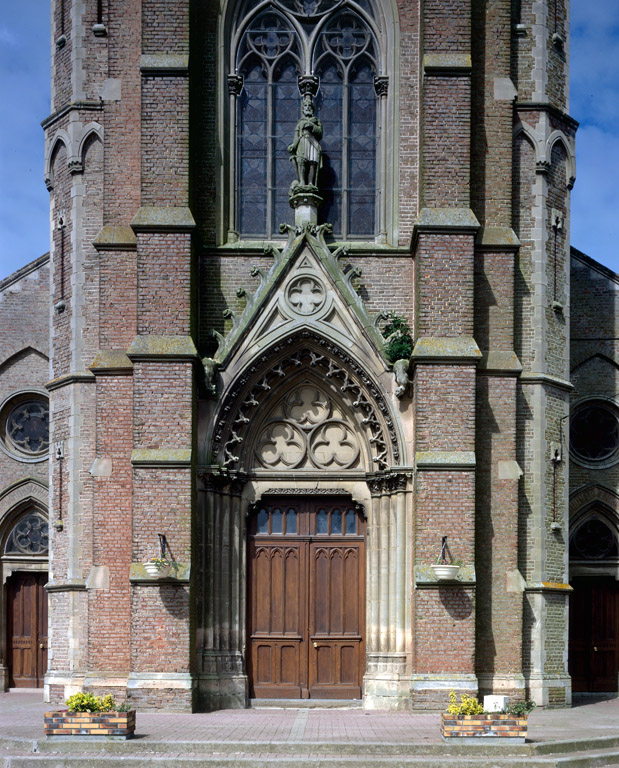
(21,716)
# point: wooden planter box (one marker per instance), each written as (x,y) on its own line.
(493,726)
(110,725)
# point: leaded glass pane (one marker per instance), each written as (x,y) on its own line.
(351,521)
(277,521)
(336,522)
(286,106)
(252,149)
(291,521)
(330,110)
(322,521)
(263,521)
(30,536)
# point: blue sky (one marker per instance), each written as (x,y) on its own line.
(24,95)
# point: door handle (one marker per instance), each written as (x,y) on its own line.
(595,647)
(316,645)
(42,646)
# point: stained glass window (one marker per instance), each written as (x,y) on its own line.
(331,41)
(594,432)
(30,536)
(24,425)
(593,540)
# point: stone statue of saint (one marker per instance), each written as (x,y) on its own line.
(305,149)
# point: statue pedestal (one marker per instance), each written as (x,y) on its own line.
(305,200)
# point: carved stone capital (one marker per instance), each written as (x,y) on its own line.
(381,85)
(235,84)
(308,85)
(75,166)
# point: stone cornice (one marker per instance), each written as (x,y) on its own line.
(159,348)
(444,221)
(66,585)
(111,362)
(447,64)
(497,239)
(533,377)
(535,106)
(163,219)
(497,363)
(441,460)
(116,238)
(164,65)
(76,377)
(79,106)
(446,349)
(549,586)
(161,457)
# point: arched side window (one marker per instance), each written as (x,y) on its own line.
(280,50)
(29,536)
(593,539)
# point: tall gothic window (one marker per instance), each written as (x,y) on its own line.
(281,49)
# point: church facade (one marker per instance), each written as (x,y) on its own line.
(310,336)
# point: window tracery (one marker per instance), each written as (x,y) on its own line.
(30,536)
(281,50)
(24,426)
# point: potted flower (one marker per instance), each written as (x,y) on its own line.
(160,567)
(445,569)
(90,715)
(468,719)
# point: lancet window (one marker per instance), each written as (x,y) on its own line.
(329,50)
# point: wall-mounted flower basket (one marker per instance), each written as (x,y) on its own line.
(488,726)
(110,725)
(157,571)
(445,571)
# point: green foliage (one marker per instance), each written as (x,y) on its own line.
(163,562)
(399,338)
(521,708)
(124,706)
(468,705)
(88,702)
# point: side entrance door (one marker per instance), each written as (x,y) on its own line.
(306,606)
(27,629)
(594,635)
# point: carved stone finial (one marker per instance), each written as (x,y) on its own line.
(235,84)
(381,85)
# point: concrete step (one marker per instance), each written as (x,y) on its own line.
(139,753)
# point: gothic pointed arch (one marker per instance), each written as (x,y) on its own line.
(305,403)
(343,53)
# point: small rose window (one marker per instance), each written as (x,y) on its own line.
(24,426)
(594,433)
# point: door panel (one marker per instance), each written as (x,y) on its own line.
(27,629)
(306,600)
(335,632)
(594,635)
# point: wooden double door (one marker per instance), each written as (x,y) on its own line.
(306,607)
(26,629)
(594,635)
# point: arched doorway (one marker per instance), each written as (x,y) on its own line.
(25,573)
(306,598)
(594,604)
